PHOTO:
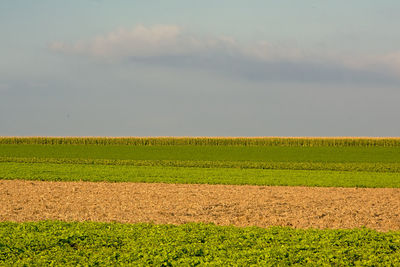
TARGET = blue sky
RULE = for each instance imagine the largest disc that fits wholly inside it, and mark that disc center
(231, 68)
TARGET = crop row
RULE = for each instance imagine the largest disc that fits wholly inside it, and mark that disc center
(207, 153)
(213, 141)
(178, 175)
(329, 166)
(71, 244)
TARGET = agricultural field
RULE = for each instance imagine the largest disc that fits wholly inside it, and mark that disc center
(43, 243)
(226, 201)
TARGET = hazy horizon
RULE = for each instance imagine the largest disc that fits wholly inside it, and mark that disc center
(174, 68)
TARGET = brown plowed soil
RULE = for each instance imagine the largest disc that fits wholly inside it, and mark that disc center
(300, 207)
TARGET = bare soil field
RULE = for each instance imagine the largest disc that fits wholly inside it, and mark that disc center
(263, 206)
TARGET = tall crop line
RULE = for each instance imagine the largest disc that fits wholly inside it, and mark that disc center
(210, 141)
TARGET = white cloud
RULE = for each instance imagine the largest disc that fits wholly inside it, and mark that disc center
(141, 41)
(170, 45)
(169, 40)
(386, 63)
(392, 60)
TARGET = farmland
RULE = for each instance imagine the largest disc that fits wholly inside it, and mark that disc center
(311, 183)
(319, 165)
(196, 175)
(71, 244)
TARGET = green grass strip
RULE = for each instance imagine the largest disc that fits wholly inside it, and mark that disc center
(104, 244)
(161, 174)
(331, 166)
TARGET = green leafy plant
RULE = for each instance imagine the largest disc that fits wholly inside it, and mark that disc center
(71, 244)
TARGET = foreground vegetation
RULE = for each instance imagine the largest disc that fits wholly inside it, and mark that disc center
(195, 175)
(61, 243)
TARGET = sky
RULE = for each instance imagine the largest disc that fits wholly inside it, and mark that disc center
(199, 68)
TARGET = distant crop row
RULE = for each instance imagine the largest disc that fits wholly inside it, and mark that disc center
(105, 244)
(208, 153)
(213, 141)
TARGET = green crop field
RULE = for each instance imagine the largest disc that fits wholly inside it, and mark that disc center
(195, 175)
(93, 244)
(348, 164)
(211, 153)
(326, 162)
